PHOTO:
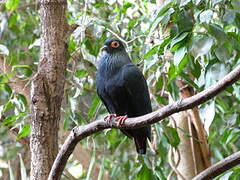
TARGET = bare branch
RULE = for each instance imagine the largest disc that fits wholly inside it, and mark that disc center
(81, 132)
(220, 167)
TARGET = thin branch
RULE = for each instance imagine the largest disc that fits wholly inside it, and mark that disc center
(81, 132)
(220, 167)
(118, 36)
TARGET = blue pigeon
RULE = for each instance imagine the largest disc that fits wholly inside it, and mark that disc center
(123, 90)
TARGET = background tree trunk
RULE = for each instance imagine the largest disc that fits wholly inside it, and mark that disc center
(47, 88)
(193, 149)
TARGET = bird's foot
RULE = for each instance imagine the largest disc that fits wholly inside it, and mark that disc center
(121, 120)
(109, 117)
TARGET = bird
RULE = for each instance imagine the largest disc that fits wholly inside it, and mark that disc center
(123, 90)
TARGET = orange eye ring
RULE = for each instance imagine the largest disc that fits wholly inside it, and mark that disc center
(115, 44)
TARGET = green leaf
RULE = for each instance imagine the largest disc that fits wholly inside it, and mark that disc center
(216, 2)
(91, 46)
(10, 120)
(217, 32)
(171, 135)
(126, 5)
(196, 2)
(189, 80)
(151, 52)
(6, 89)
(9, 105)
(184, 3)
(224, 135)
(132, 23)
(236, 5)
(24, 131)
(184, 22)
(145, 174)
(81, 73)
(206, 16)
(208, 114)
(12, 4)
(179, 54)
(183, 63)
(113, 140)
(178, 39)
(172, 72)
(164, 10)
(25, 70)
(20, 66)
(236, 173)
(222, 53)
(36, 43)
(200, 45)
(229, 17)
(195, 68)
(160, 99)
(4, 78)
(159, 173)
(94, 107)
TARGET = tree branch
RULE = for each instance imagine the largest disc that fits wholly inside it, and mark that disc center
(81, 132)
(219, 167)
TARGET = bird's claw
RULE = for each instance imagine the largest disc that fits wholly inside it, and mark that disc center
(109, 117)
(121, 120)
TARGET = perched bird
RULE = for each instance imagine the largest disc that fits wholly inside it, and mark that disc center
(123, 89)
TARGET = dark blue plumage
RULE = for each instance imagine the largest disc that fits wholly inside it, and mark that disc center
(123, 89)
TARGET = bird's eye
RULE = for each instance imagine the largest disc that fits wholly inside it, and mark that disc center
(115, 44)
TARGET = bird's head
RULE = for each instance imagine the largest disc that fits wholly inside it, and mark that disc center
(112, 46)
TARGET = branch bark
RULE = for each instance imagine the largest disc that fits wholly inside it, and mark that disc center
(81, 132)
(220, 167)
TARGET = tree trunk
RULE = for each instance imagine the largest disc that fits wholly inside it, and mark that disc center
(194, 151)
(48, 88)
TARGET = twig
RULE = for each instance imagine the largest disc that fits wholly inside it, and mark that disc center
(140, 36)
(174, 165)
(219, 167)
(115, 34)
(81, 132)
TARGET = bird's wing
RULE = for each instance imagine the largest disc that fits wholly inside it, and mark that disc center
(138, 96)
(137, 89)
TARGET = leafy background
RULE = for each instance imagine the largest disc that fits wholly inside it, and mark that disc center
(168, 41)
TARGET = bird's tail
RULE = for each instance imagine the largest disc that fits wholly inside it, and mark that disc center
(141, 144)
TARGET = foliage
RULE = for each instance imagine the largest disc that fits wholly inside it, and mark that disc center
(170, 41)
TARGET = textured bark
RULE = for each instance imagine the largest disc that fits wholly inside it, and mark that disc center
(47, 88)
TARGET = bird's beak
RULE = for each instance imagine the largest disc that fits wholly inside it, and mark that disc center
(104, 48)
